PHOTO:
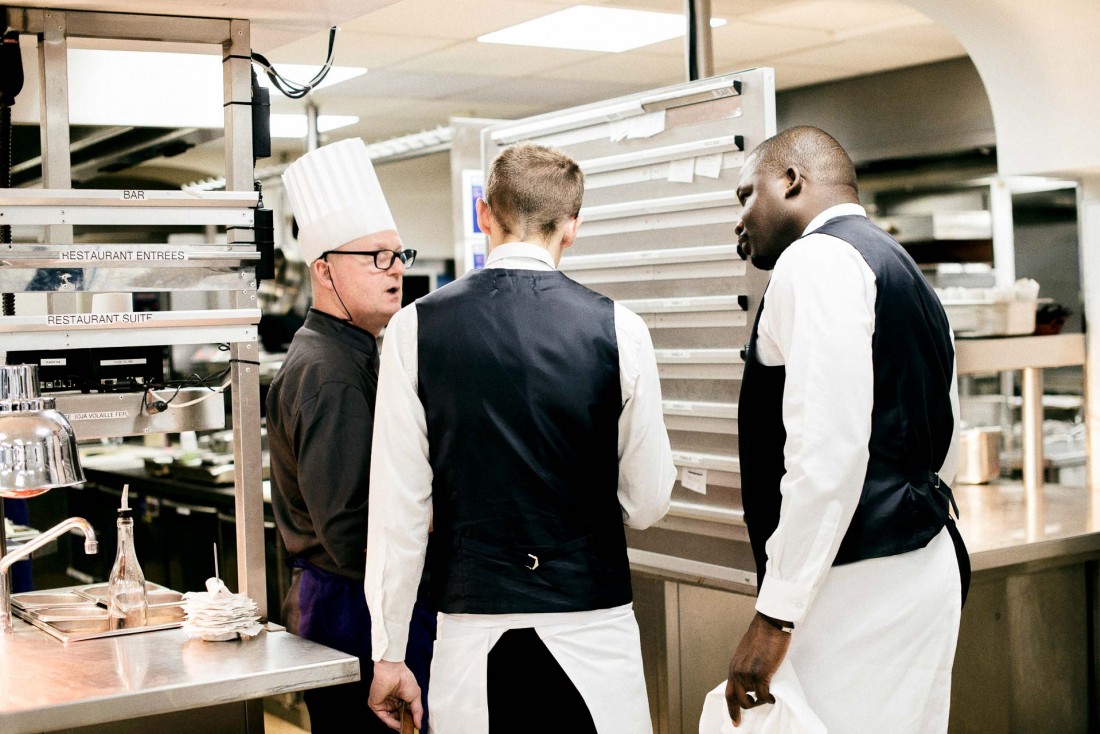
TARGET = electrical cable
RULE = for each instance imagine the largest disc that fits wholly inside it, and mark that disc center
(292, 89)
(162, 403)
(214, 391)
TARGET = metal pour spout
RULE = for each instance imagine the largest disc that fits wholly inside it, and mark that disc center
(25, 550)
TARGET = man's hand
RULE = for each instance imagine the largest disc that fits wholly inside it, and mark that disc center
(752, 666)
(394, 685)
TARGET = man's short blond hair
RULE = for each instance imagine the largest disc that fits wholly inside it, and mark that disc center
(533, 189)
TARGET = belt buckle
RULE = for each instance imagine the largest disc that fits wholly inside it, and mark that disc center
(534, 565)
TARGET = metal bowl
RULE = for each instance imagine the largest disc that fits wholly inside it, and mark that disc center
(979, 455)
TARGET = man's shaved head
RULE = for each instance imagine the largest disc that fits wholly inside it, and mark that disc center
(814, 151)
(788, 180)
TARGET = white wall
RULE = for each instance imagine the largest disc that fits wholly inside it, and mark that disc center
(418, 191)
(1040, 63)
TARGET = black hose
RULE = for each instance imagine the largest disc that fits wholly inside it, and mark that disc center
(11, 83)
(5, 182)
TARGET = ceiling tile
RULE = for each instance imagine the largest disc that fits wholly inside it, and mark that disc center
(492, 59)
(936, 40)
(553, 94)
(746, 40)
(833, 15)
(726, 9)
(274, 22)
(352, 48)
(329, 105)
(438, 113)
(447, 19)
(644, 68)
(311, 15)
(385, 83)
(741, 9)
(788, 74)
(866, 56)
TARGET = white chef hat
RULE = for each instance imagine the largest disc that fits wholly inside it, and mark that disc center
(335, 196)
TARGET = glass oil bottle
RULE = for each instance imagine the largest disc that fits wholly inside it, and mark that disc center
(127, 598)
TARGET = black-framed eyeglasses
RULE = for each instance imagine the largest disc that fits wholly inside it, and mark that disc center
(383, 259)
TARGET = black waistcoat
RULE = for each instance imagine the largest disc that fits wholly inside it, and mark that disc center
(903, 504)
(519, 377)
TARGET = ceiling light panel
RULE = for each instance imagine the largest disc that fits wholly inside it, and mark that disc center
(590, 28)
(295, 126)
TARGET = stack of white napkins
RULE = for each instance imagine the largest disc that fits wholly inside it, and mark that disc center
(217, 614)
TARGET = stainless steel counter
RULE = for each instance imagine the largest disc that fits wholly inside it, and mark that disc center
(1005, 524)
(1033, 554)
(45, 685)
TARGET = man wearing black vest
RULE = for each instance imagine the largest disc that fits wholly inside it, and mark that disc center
(519, 413)
(848, 415)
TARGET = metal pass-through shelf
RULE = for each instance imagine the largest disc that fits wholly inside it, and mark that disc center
(71, 246)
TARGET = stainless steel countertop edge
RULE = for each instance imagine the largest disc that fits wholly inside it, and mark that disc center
(266, 665)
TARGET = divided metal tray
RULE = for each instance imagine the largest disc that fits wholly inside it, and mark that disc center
(80, 612)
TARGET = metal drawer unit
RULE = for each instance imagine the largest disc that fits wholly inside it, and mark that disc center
(661, 170)
(49, 260)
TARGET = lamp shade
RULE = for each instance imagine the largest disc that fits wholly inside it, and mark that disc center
(37, 445)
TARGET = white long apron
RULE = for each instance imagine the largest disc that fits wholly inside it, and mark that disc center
(873, 655)
(600, 651)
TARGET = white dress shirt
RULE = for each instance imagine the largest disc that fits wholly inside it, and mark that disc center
(875, 640)
(818, 321)
(401, 475)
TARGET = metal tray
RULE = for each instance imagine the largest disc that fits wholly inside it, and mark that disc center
(155, 593)
(55, 598)
(71, 624)
(80, 613)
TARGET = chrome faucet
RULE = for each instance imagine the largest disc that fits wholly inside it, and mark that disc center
(25, 550)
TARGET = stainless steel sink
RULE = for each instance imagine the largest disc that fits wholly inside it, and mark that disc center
(80, 613)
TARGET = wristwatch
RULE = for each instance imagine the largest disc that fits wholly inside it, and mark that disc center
(780, 625)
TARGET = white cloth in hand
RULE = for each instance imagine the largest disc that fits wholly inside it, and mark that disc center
(790, 714)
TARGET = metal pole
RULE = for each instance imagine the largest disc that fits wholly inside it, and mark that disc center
(1004, 274)
(1032, 423)
(700, 59)
(1088, 218)
(245, 368)
(53, 62)
(312, 135)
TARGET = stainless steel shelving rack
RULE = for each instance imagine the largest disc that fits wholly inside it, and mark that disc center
(227, 268)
